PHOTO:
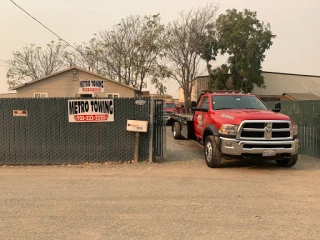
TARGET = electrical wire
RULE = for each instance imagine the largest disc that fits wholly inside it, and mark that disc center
(47, 28)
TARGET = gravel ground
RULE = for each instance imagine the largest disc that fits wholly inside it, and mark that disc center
(180, 198)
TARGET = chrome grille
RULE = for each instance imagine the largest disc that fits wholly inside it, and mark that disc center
(265, 130)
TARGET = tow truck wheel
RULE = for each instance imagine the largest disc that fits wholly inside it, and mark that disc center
(288, 162)
(212, 153)
(176, 130)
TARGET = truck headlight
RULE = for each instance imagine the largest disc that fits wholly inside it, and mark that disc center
(228, 129)
(294, 129)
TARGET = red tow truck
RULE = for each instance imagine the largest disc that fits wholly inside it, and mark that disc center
(231, 125)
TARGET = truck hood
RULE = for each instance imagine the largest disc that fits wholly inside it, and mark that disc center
(236, 116)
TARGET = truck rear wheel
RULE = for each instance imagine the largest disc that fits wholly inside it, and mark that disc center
(288, 162)
(211, 152)
(176, 130)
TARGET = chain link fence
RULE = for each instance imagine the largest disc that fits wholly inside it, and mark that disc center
(46, 136)
(306, 114)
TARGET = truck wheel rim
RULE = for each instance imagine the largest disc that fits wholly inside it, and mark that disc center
(174, 133)
(209, 151)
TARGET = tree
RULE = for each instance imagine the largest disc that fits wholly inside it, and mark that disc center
(132, 50)
(219, 78)
(245, 39)
(35, 62)
(87, 55)
(185, 43)
(161, 89)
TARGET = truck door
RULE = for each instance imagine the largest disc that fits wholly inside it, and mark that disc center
(201, 117)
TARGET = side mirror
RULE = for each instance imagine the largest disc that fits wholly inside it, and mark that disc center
(277, 107)
(193, 104)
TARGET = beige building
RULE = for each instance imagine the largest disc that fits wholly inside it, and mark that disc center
(276, 85)
(166, 97)
(8, 95)
(73, 82)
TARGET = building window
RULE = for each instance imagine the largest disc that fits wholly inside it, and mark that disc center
(41, 95)
(113, 95)
(84, 95)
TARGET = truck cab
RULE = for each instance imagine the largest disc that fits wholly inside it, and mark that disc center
(237, 125)
(170, 110)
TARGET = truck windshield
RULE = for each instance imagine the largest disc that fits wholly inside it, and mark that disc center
(170, 105)
(237, 102)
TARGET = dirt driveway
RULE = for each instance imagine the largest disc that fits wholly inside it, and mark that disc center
(180, 198)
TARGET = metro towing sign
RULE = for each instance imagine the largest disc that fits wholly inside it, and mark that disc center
(100, 110)
(91, 85)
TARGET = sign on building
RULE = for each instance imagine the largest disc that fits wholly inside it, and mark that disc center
(99, 110)
(91, 85)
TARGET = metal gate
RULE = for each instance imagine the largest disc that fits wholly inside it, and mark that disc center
(159, 134)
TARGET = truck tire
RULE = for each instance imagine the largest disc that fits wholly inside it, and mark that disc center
(211, 152)
(177, 130)
(288, 162)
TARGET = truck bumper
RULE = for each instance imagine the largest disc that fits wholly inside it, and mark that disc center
(230, 146)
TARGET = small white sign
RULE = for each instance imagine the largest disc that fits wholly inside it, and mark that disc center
(137, 126)
(99, 110)
(20, 113)
(91, 85)
(140, 102)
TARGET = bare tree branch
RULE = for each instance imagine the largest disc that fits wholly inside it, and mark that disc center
(34, 62)
(184, 44)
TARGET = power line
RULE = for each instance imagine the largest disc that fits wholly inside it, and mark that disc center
(3, 62)
(47, 28)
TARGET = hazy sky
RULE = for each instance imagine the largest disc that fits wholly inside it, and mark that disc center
(296, 24)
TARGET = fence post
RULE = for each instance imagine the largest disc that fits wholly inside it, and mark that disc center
(136, 148)
(164, 130)
(151, 129)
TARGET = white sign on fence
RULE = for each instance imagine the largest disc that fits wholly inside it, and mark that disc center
(137, 126)
(94, 110)
(20, 113)
(91, 85)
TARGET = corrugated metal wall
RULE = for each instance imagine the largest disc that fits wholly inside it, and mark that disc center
(202, 84)
(277, 84)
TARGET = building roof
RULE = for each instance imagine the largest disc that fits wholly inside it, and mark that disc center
(292, 74)
(68, 69)
(155, 95)
(302, 96)
(282, 73)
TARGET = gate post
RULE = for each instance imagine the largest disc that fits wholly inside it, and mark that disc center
(151, 129)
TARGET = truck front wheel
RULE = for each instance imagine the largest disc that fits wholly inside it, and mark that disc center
(176, 130)
(212, 153)
(288, 162)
